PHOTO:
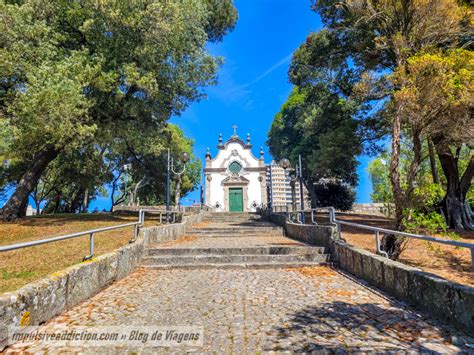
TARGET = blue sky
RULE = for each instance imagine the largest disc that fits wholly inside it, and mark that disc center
(253, 81)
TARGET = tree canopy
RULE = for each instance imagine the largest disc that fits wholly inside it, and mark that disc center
(81, 74)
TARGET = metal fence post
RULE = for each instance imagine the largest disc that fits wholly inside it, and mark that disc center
(135, 234)
(91, 247)
(377, 242)
(332, 215)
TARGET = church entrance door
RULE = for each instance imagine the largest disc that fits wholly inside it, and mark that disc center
(236, 201)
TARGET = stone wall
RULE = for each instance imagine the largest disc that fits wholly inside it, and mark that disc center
(41, 300)
(446, 300)
(277, 218)
(190, 209)
(443, 299)
(320, 235)
(380, 209)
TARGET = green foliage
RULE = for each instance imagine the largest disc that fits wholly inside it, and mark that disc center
(146, 163)
(412, 80)
(379, 177)
(97, 81)
(318, 125)
(428, 223)
(435, 89)
(334, 194)
(110, 62)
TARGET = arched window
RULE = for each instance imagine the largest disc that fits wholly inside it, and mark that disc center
(235, 167)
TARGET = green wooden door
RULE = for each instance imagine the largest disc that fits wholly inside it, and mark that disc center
(236, 202)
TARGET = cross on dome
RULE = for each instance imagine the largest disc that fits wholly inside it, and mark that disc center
(234, 126)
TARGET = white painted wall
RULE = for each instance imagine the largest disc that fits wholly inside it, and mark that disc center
(222, 160)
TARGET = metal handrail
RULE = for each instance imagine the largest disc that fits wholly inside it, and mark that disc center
(91, 233)
(377, 230)
(162, 213)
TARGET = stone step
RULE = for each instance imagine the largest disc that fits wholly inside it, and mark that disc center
(239, 225)
(230, 219)
(232, 214)
(270, 250)
(232, 259)
(214, 220)
(236, 229)
(236, 235)
(253, 265)
(266, 237)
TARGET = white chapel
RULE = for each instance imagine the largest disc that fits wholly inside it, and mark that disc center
(235, 178)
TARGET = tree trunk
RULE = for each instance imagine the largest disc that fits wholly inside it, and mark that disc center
(434, 169)
(85, 201)
(392, 244)
(112, 194)
(135, 192)
(414, 167)
(456, 189)
(37, 200)
(398, 196)
(16, 205)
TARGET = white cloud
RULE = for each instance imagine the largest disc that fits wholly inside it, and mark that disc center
(240, 90)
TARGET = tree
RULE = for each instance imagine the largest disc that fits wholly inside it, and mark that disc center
(318, 125)
(73, 179)
(423, 213)
(436, 91)
(335, 194)
(379, 37)
(371, 40)
(145, 156)
(380, 179)
(73, 72)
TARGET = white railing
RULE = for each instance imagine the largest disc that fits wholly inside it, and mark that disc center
(296, 217)
(172, 218)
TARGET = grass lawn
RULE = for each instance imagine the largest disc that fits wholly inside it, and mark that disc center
(19, 267)
(446, 261)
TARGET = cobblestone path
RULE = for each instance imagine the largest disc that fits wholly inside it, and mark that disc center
(302, 309)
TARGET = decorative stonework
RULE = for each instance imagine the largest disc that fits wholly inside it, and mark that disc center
(235, 166)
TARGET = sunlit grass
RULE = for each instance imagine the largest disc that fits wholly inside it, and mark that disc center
(19, 267)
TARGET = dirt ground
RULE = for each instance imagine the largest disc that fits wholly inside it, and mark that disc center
(22, 266)
(446, 261)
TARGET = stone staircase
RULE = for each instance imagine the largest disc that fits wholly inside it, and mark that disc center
(231, 240)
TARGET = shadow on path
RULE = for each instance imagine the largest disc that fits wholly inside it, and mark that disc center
(340, 327)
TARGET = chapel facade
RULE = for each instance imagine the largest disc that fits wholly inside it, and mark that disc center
(235, 178)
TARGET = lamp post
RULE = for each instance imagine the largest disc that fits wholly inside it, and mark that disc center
(183, 157)
(294, 175)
